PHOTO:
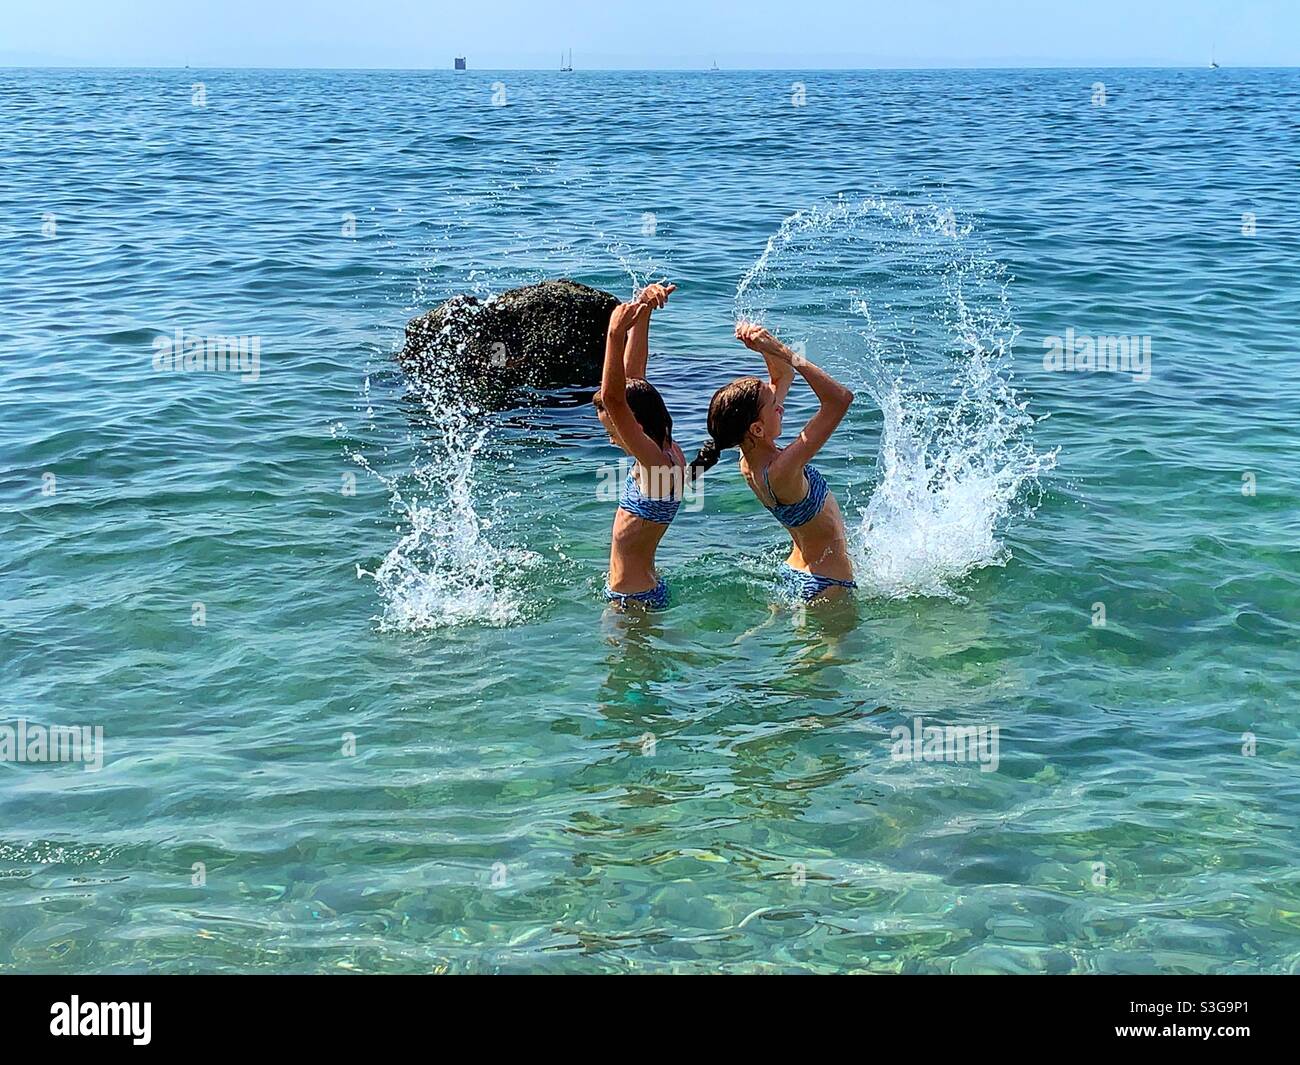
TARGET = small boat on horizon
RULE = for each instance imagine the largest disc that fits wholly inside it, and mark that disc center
(566, 68)
(460, 62)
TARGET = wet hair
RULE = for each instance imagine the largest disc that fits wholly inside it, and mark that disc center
(733, 409)
(648, 408)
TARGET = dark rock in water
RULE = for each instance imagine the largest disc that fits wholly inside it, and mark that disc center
(548, 335)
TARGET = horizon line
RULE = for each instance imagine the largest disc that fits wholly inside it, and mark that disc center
(647, 70)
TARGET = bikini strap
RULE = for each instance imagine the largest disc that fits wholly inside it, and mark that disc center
(767, 483)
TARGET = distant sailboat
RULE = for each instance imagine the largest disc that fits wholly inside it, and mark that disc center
(713, 69)
(566, 68)
(1213, 64)
(460, 62)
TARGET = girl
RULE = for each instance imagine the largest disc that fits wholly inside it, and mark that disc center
(634, 415)
(747, 414)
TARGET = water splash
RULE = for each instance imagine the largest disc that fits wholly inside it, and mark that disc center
(925, 328)
(446, 569)
(453, 564)
(637, 262)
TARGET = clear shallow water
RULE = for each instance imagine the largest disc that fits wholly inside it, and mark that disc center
(503, 809)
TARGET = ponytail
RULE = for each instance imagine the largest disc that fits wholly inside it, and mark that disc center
(705, 459)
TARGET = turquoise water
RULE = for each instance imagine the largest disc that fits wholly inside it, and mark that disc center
(406, 736)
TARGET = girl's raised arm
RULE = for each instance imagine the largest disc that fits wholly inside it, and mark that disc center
(637, 352)
(779, 370)
(834, 398)
(613, 385)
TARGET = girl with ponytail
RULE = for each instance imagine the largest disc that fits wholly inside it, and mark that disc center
(747, 414)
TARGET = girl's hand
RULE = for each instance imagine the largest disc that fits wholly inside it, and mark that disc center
(756, 338)
(625, 316)
(656, 295)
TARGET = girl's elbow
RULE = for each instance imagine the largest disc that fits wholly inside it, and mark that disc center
(846, 398)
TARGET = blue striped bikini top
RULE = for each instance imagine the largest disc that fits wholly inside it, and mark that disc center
(792, 515)
(634, 501)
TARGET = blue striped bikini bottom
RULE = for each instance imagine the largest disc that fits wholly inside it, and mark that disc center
(799, 584)
(656, 598)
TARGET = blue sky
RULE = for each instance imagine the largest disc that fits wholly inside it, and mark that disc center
(608, 34)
